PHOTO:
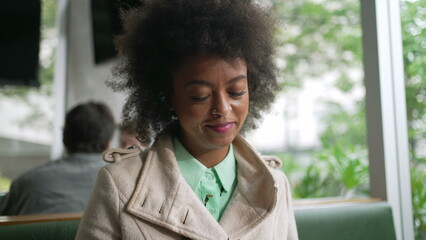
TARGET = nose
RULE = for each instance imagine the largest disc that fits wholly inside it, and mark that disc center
(221, 105)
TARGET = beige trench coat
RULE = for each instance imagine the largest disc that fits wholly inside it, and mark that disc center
(146, 197)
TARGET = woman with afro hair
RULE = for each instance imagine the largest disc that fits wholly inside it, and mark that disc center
(196, 75)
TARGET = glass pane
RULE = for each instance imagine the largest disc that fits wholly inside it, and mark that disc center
(317, 127)
(27, 112)
(413, 20)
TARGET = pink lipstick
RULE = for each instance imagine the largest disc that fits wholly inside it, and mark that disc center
(221, 128)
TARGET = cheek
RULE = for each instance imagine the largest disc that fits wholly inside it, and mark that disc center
(190, 110)
(191, 115)
(242, 107)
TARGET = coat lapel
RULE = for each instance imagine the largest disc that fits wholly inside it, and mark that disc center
(163, 198)
(255, 196)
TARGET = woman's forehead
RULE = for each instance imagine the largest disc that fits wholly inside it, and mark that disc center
(202, 69)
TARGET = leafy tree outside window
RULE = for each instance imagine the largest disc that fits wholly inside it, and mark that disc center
(322, 38)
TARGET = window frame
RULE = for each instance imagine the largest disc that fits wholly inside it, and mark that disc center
(386, 117)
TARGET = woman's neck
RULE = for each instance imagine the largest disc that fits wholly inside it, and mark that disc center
(209, 157)
(213, 157)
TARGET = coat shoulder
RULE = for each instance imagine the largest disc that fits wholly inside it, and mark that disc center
(126, 171)
(118, 154)
(274, 164)
(272, 161)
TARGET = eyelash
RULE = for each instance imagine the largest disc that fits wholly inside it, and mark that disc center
(200, 99)
(233, 94)
(237, 94)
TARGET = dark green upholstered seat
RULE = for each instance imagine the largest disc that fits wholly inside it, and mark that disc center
(61, 230)
(366, 221)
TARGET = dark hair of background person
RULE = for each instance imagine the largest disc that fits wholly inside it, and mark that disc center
(160, 35)
(88, 128)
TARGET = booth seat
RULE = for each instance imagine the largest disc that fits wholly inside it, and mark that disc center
(58, 230)
(345, 221)
(362, 221)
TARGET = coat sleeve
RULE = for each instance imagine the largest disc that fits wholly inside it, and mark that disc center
(292, 229)
(101, 217)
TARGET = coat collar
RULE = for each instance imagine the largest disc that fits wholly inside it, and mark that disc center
(163, 197)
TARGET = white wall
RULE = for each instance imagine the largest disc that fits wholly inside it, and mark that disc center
(85, 80)
(77, 78)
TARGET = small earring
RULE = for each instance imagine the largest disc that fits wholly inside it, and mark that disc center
(173, 115)
(215, 114)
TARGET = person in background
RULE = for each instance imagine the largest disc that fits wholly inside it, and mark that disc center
(65, 185)
(197, 74)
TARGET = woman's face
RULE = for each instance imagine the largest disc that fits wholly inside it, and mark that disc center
(202, 86)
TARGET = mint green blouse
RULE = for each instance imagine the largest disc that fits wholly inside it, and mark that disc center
(213, 186)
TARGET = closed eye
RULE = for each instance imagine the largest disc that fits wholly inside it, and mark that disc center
(200, 99)
(237, 94)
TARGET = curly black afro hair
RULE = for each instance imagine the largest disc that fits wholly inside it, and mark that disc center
(159, 34)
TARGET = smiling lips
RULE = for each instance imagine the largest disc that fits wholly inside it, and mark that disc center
(221, 128)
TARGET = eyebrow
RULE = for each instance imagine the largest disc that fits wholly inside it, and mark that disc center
(209, 84)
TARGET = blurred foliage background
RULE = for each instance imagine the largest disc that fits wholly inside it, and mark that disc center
(326, 36)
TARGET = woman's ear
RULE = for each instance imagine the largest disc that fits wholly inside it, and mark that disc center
(170, 99)
(171, 107)
(170, 103)
(167, 97)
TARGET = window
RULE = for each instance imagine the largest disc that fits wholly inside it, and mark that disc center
(27, 112)
(317, 127)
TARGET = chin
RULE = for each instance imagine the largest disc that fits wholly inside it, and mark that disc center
(223, 141)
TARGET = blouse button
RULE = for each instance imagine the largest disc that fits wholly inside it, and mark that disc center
(209, 176)
(212, 210)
